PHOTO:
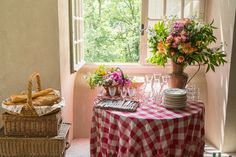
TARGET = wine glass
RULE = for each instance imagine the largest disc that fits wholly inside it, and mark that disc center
(123, 92)
(148, 89)
(156, 85)
(131, 91)
(101, 91)
(164, 85)
(112, 91)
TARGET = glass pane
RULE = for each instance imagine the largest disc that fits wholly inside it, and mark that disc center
(75, 53)
(75, 5)
(81, 51)
(75, 30)
(150, 25)
(155, 9)
(173, 8)
(192, 8)
(80, 35)
(112, 30)
(80, 10)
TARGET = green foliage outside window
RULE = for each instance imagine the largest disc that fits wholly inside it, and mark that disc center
(111, 30)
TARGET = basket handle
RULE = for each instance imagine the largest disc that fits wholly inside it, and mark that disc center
(29, 96)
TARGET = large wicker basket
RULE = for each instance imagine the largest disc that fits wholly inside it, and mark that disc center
(35, 147)
(28, 108)
(43, 126)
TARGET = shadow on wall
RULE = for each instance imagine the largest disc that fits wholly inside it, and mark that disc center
(84, 96)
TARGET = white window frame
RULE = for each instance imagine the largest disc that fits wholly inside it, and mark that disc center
(76, 14)
(76, 23)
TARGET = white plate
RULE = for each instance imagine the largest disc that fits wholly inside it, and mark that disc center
(175, 92)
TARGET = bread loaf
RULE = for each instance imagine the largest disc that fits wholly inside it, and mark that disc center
(23, 97)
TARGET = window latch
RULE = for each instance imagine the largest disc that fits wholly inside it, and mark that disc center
(142, 29)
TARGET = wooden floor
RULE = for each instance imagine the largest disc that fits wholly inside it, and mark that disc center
(80, 148)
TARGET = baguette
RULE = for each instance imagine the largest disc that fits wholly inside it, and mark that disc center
(23, 97)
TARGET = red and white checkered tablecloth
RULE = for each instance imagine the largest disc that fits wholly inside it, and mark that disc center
(151, 131)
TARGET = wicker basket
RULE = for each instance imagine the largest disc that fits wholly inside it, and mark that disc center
(35, 147)
(28, 108)
(43, 126)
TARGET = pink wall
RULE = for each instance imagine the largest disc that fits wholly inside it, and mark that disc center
(67, 79)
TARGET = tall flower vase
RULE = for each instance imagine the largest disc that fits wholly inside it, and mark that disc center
(178, 79)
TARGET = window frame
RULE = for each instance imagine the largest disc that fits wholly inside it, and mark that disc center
(76, 64)
(76, 35)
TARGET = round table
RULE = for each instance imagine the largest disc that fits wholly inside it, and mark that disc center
(152, 130)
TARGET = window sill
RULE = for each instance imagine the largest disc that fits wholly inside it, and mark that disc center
(78, 67)
(136, 68)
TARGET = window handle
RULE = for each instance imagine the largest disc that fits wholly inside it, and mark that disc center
(142, 29)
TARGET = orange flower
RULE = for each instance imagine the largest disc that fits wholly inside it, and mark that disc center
(187, 48)
(160, 47)
(180, 59)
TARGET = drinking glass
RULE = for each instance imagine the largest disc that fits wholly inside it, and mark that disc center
(131, 91)
(123, 92)
(112, 91)
(101, 91)
(193, 92)
(156, 86)
(164, 85)
(148, 89)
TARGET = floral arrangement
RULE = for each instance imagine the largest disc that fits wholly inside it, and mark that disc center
(107, 76)
(185, 42)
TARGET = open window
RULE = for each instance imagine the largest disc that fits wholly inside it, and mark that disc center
(104, 31)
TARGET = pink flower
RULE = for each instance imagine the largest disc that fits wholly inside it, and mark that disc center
(169, 38)
(174, 45)
(177, 39)
(184, 36)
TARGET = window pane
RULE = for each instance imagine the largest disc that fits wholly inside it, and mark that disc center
(111, 30)
(75, 7)
(75, 53)
(173, 8)
(150, 25)
(78, 30)
(192, 8)
(155, 9)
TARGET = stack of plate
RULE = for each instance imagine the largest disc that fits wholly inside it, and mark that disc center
(174, 98)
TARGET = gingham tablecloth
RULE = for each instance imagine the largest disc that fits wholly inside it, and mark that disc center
(151, 131)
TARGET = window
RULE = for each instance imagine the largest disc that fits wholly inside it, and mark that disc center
(76, 33)
(155, 10)
(114, 30)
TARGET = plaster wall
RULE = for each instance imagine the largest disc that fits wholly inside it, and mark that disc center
(29, 42)
(67, 79)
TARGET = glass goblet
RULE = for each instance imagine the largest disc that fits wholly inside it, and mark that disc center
(112, 91)
(101, 91)
(131, 91)
(123, 92)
